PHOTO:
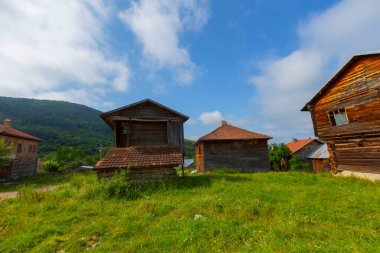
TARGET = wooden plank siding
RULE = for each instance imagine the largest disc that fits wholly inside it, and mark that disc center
(245, 156)
(355, 146)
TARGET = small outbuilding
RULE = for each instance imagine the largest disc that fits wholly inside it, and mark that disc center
(149, 141)
(232, 147)
(303, 148)
(346, 114)
(24, 160)
(320, 159)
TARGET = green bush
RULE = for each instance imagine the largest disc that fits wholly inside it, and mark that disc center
(50, 166)
(5, 151)
(296, 164)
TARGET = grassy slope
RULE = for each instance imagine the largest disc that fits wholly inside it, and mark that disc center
(281, 212)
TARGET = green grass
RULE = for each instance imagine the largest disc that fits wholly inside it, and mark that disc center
(35, 181)
(264, 212)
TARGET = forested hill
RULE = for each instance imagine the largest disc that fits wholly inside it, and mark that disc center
(57, 123)
(61, 124)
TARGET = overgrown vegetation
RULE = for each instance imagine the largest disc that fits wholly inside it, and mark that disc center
(264, 212)
(279, 153)
(5, 151)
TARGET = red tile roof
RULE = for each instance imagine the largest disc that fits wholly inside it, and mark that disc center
(9, 131)
(294, 146)
(141, 157)
(228, 132)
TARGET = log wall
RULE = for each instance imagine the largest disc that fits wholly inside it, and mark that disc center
(355, 146)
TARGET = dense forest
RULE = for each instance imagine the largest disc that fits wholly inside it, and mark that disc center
(62, 124)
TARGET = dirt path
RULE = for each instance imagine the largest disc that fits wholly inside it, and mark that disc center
(13, 194)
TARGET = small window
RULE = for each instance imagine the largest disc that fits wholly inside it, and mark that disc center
(338, 117)
(19, 148)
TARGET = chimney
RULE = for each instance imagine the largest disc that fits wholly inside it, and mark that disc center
(224, 123)
(8, 123)
(294, 140)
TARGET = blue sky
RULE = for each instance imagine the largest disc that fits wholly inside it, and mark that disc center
(254, 63)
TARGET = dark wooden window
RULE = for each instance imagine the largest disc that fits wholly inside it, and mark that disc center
(19, 148)
(338, 117)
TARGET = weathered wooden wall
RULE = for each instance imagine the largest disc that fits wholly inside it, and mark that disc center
(245, 156)
(320, 165)
(356, 146)
(25, 162)
(199, 157)
(303, 152)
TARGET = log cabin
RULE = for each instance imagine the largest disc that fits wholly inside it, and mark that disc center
(303, 148)
(24, 160)
(232, 147)
(149, 141)
(346, 114)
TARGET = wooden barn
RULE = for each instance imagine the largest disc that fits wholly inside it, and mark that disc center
(24, 160)
(149, 141)
(346, 114)
(232, 147)
(303, 148)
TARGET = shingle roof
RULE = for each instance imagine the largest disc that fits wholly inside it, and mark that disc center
(228, 132)
(16, 133)
(141, 157)
(294, 146)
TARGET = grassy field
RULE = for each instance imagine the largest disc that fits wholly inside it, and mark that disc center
(264, 212)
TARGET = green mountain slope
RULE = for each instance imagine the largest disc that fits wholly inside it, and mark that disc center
(57, 123)
(61, 124)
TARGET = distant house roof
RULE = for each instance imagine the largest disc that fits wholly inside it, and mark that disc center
(296, 145)
(228, 132)
(327, 86)
(320, 153)
(141, 157)
(9, 131)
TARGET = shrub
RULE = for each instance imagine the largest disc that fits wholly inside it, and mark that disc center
(50, 166)
(296, 164)
(5, 151)
(278, 152)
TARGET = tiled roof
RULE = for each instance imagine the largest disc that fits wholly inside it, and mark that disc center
(16, 133)
(298, 144)
(228, 132)
(141, 157)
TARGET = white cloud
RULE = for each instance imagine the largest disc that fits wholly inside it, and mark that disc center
(158, 25)
(191, 121)
(327, 40)
(45, 45)
(211, 118)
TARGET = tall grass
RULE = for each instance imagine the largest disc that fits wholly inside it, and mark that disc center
(213, 212)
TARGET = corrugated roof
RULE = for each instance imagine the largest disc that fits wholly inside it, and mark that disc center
(228, 132)
(141, 157)
(9, 131)
(294, 146)
(321, 153)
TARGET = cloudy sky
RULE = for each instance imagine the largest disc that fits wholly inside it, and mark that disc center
(254, 63)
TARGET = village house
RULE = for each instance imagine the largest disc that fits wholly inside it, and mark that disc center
(24, 160)
(346, 114)
(232, 147)
(303, 148)
(149, 141)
